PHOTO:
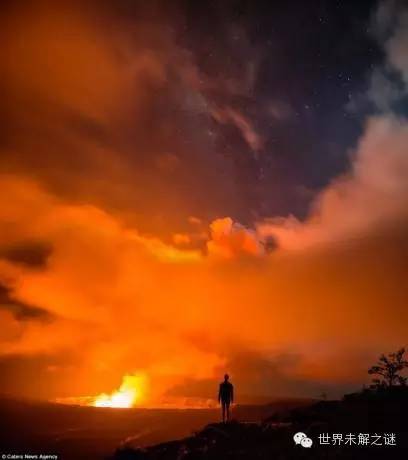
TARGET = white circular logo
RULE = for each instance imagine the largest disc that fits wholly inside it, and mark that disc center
(298, 437)
(302, 439)
(306, 442)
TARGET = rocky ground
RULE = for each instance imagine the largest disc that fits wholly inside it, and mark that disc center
(379, 417)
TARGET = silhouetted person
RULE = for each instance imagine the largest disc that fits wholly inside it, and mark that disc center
(226, 397)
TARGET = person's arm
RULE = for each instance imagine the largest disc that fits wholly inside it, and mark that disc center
(232, 393)
(219, 394)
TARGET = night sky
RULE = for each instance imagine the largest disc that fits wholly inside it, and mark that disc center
(290, 70)
(169, 167)
(256, 113)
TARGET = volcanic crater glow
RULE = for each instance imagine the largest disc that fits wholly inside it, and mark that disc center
(129, 394)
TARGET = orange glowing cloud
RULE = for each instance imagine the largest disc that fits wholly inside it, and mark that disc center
(123, 303)
(229, 239)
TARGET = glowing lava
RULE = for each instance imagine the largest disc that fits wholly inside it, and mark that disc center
(129, 394)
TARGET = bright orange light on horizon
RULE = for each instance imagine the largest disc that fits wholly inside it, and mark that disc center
(118, 399)
(130, 393)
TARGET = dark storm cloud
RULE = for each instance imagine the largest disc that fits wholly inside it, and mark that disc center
(33, 254)
(20, 310)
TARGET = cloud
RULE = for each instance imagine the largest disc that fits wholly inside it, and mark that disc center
(234, 117)
(110, 110)
(383, 92)
(31, 253)
(117, 296)
(231, 239)
(373, 192)
(20, 310)
(280, 110)
(388, 81)
(397, 45)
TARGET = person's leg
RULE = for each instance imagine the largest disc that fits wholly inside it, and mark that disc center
(223, 411)
(228, 410)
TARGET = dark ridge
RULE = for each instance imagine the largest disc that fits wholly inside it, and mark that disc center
(380, 412)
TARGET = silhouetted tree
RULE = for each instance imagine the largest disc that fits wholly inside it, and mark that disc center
(389, 369)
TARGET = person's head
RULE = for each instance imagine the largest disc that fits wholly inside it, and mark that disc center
(226, 377)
